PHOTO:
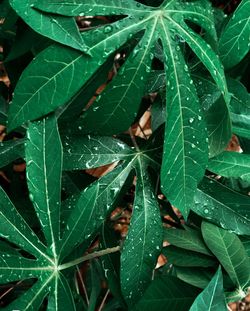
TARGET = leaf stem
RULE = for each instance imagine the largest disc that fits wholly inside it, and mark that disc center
(132, 136)
(88, 257)
(83, 285)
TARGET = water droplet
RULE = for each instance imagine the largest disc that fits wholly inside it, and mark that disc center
(206, 211)
(31, 197)
(191, 120)
(108, 29)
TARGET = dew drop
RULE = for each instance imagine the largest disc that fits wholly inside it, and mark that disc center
(108, 29)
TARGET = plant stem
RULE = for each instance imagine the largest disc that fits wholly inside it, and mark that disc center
(83, 285)
(88, 257)
(103, 301)
(132, 136)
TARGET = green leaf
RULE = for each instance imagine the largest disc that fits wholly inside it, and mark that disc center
(239, 108)
(185, 148)
(92, 206)
(158, 113)
(231, 164)
(227, 247)
(184, 258)
(44, 165)
(187, 239)
(56, 27)
(218, 127)
(48, 71)
(144, 240)
(14, 268)
(246, 242)
(16, 230)
(122, 108)
(91, 7)
(61, 297)
(79, 102)
(216, 113)
(196, 276)
(102, 42)
(223, 206)
(212, 298)
(11, 151)
(234, 41)
(167, 293)
(33, 298)
(83, 211)
(84, 152)
(111, 263)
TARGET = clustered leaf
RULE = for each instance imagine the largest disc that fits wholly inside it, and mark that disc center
(82, 87)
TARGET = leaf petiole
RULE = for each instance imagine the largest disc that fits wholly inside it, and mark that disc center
(89, 257)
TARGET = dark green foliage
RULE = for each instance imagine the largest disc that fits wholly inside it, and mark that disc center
(78, 95)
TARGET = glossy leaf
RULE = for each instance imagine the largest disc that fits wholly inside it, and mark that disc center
(11, 151)
(167, 293)
(196, 276)
(231, 164)
(14, 268)
(184, 258)
(219, 127)
(106, 39)
(122, 108)
(143, 242)
(227, 247)
(234, 41)
(216, 113)
(223, 206)
(185, 149)
(81, 152)
(16, 230)
(58, 28)
(239, 108)
(92, 207)
(44, 165)
(187, 239)
(48, 71)
(212, 298)
(111, 263)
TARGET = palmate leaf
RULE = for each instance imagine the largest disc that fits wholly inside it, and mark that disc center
(135, 274)
(87, 212)
(228, 248)
(59, 28)
(43, 149)
(185, 147)
(234, 41)
(212, 298)
(223, 206)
